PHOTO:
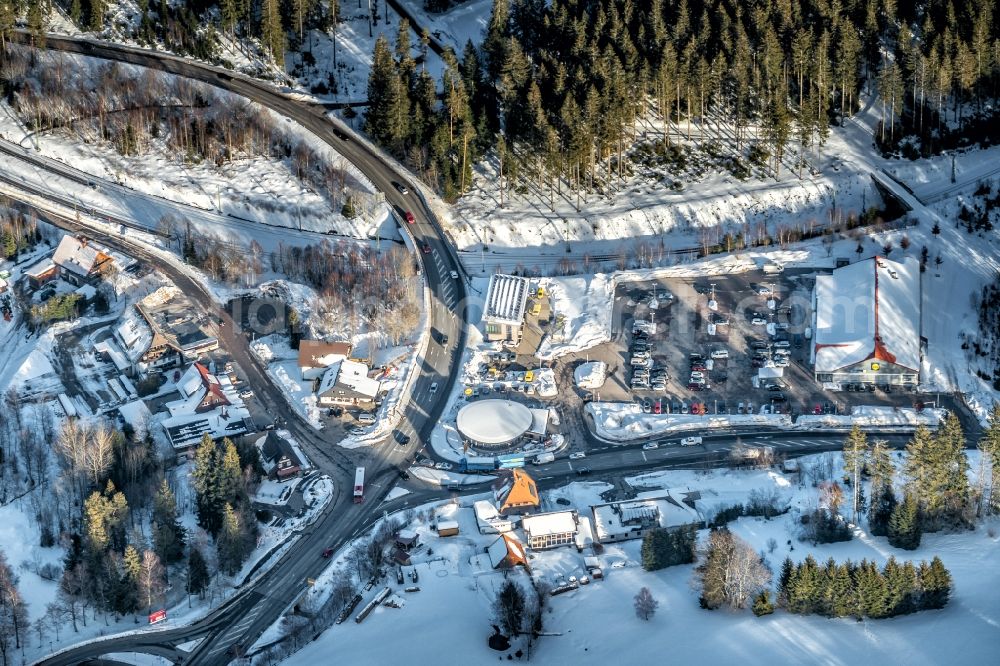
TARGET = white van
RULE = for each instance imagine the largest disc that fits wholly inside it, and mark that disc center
(366, 417)
(691, 441)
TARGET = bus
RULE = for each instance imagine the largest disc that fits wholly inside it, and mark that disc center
(359, 485)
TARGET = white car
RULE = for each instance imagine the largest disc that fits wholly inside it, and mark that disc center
(434, 387)
(763, 290)
(691, 441)
(246, 394)
(443, 466)
(720, 353)
(357, 431)
(697, 375)
(650, 446)
(577, 456)
(757, 321)
(618, 564)
(782, 344)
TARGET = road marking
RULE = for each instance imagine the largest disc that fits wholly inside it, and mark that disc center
(644, 458)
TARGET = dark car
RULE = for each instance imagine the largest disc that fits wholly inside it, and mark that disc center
(695, 387)
(444, 338)
(327, 552)
(402, 189)
(582, 471)
(562, 501)
(778, 397)
(425, 248)
(402, 438)
(403, 475)
(340, 134)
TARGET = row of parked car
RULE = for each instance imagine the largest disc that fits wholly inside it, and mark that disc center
(644, 375)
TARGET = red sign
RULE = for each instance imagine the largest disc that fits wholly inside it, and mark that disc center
(158, 616)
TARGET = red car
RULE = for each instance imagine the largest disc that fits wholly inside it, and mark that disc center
(426, 248)
(657, 409)
(409, 218)
(817, 409)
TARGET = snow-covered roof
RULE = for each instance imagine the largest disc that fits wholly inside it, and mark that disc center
(485, 510)
(134, 334)
(80, 256)
(190, 382)
(546, 524)
(631, 517)
(506, 548)
(506, 298)
(111, 348)
(869, 310)
(40, 268)
(770, 372)
(351, 375)
(494, 421)
(591, 375)
(136, 415)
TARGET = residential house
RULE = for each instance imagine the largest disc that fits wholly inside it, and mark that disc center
(280, 458)
(507, 552)
(209, 404)
(41, 272)
(517, 494)
(81, 261)
(347, 383)
(550, 530)
(632, 519)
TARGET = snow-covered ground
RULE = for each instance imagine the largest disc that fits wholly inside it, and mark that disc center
(596, 624)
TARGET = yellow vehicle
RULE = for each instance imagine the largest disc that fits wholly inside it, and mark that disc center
(536, 308)
(540, 293)
(529, 376)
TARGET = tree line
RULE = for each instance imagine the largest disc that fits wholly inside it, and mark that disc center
(862, 589)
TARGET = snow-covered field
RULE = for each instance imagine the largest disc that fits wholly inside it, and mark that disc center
(596, 624)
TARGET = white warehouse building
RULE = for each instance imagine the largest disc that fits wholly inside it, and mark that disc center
(867, 324)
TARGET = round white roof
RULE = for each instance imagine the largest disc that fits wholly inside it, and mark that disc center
(493, 421)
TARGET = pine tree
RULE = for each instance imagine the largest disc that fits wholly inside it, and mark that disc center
(197, 578)
(762, 604)
(904, 524)
(784, 579)
(871, 591)
(272, 34)
(935, 585)
(804, 589)
(842, 591)
(899, 588)
(168, 533)
(385, 119)
(880, 468)
(230, 542)
(882, 506)
(497, 31)
(855, 458)
(96, 13)
(989, 449)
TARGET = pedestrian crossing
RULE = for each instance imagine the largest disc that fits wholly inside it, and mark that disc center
(232, 634)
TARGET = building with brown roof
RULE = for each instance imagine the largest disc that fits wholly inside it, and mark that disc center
(518, 495)
(315, 356)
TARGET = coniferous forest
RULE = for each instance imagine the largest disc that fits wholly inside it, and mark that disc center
(556, 91)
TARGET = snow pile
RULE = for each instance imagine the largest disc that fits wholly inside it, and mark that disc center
(581, 313)
(624, 421)
(443, 478)
(873, 416)
(591, 375)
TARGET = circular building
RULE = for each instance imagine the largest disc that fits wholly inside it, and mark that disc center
(494, 425)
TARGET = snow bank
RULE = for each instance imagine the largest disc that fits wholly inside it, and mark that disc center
(591, 375)
(583, 305)
(624, 421)
(872, 416)
(443, 478)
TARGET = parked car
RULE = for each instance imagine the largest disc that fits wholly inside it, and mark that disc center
(246, 395)
(650, 446)
(647, 408)
(453, 274)
(445, 466)
(741, 409)
(696, 375)
(782, 344)
(757, 344)
(778, 397)
(762, 289)
(684, 408)
(691, 441)
(698, 367)
(357, 431)
(757, 321)
(402, 438)
(562, 501)
(697, 386)
(719, 353)
(695, 356)
(577, 455)
(774, 387)
(366, 417)
(657, 407)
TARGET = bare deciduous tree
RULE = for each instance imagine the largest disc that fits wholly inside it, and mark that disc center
(645, 604)
(729, 572)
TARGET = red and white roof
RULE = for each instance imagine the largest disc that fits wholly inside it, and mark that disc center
(869, 310)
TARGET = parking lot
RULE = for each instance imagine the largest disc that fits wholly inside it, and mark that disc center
(699, 344)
